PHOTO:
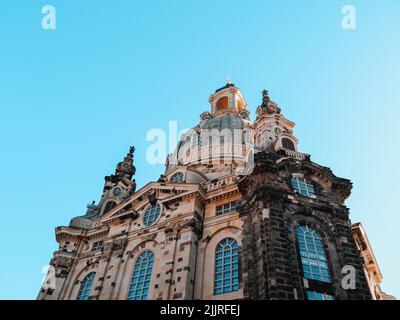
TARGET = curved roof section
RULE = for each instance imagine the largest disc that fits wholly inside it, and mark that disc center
(226, 121)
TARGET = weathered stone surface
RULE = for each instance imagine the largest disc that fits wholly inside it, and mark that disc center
(248, 200)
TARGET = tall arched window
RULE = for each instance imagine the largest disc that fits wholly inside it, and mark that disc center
(151, 215)
(141, 277)
(177, 178)
(226, 266)
(86, 285)
(312, 253)
(288, 144)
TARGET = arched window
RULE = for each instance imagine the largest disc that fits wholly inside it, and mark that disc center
(109, 205)
(86, 285)
(141, 277)
(177, 178)
(223, 103)
(226, 266)
(312, 253)
(302, 187)
(288, 144)
(151, 215)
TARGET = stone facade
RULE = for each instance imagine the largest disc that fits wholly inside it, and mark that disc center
(271, 212)
(236, 187)
(371, 269)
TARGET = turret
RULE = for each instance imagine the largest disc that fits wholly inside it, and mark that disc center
(227, 99)
(272, 130)
(117, 187)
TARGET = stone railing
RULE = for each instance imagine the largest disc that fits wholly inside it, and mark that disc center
(219, 183)
(295, 154)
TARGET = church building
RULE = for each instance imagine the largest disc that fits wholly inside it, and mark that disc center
(239, 213)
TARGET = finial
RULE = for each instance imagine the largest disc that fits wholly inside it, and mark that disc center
(228, 80)
(126, 167)
(265, 95)
(268, 105)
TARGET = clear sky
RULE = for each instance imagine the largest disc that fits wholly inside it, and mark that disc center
(72, 101)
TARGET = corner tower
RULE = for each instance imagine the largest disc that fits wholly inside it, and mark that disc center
(297, 236)
(272, 130)
(117, 187)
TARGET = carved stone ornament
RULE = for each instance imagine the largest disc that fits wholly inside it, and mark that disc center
(174, 228)
(118, 246)
(205, 116)
(152, 198)
(244, 114)
(62, 262)
(267, 106)
(194, 225)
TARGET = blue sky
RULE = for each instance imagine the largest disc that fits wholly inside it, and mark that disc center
(72, 101)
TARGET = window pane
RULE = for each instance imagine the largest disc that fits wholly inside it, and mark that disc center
(302, 187)
(313, 256)
(151, 215)
(177, 178)
(313, 295)
(226, 208)
(226, 268)
(86, 285)
(144, 267)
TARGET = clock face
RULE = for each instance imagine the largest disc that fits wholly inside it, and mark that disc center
(117, 191)
(125, 165)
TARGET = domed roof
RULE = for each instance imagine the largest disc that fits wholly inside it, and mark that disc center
(218, 124)
(221, 134)
(212, 131)
(226, 121)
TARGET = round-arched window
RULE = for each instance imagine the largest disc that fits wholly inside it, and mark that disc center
(288, 144)
(140, 282)
(151, 215)
(226, 278)
(223, 103)
(86, 285)
(177, 178)
(312, 254)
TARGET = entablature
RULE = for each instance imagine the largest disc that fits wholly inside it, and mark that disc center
(69, 233)
(121, 216)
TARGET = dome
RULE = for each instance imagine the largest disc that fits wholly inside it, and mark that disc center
(220, 141)
(226, 121)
